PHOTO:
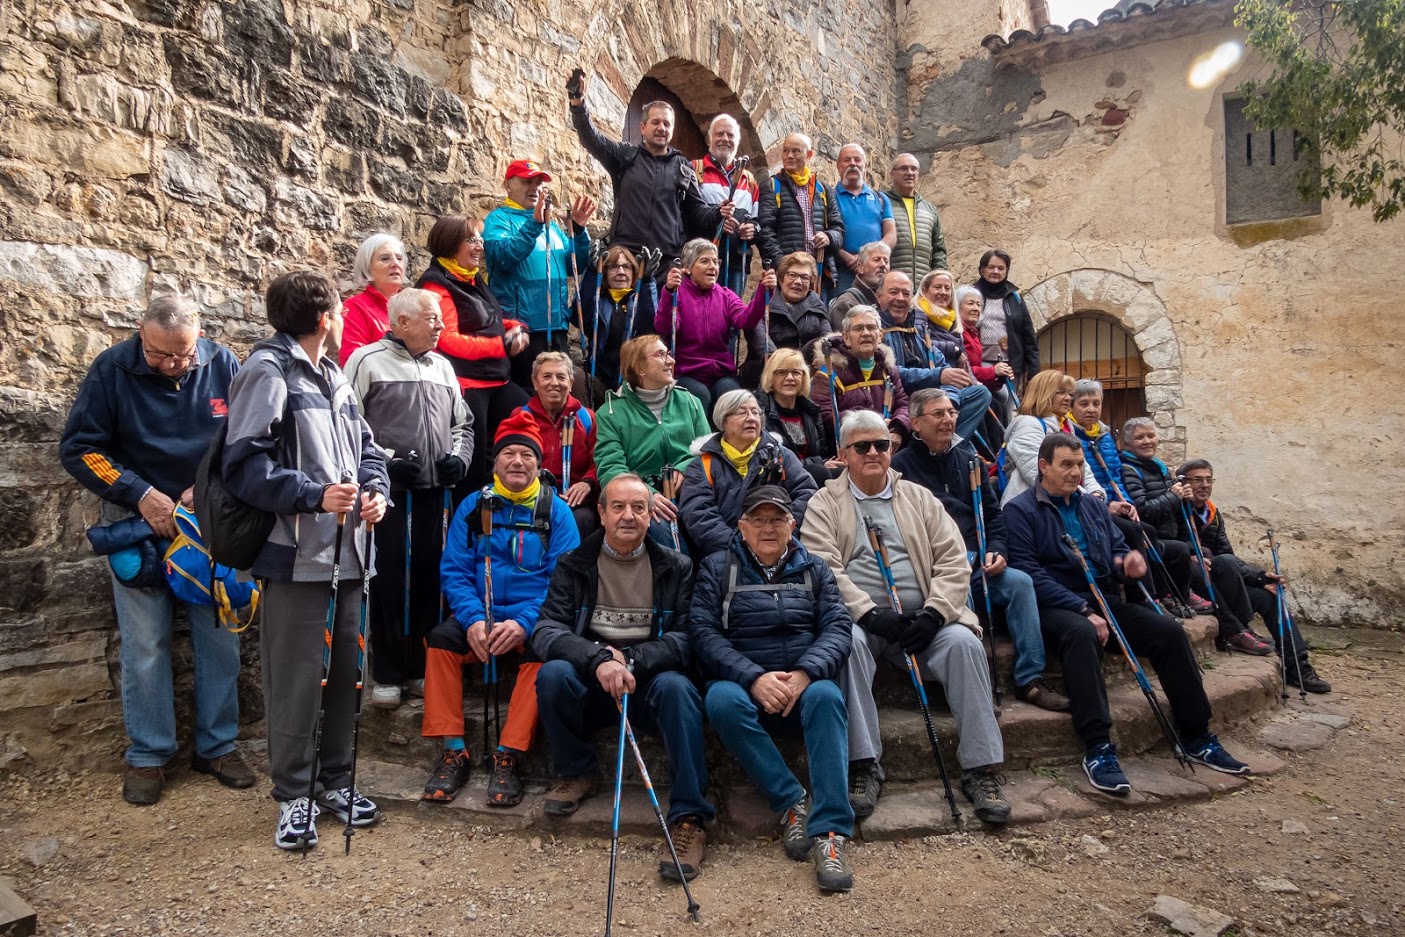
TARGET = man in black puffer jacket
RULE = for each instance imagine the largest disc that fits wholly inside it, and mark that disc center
(799, 213)
(771, 635)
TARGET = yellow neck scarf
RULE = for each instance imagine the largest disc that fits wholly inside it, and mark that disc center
(800, 178)
(1093, 433)
(458, 269)
(527, 495)
(619, 295)
(511, 204)
(942, 318)
(739, 458)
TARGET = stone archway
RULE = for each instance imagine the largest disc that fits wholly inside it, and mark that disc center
(1142, 313)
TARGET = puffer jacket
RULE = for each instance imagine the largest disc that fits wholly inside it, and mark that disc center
(1214, 539)
(293, 430)
(857, 295)
(582, 446)
(819, 445)
(802, 625)
(515, 249)
(635, 313)
(1022, 347)
(705, 320)
(1148, 483)
(782, 230)
(366, 319)
(629, 438)
(927, 251)
(832, 356)
(474, 327)
(711, 501)
(1102, 441)
(947, 475)
(793, 325)
(563, 629)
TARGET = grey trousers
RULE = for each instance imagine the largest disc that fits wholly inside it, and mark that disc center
(291, 641)
(956, 659)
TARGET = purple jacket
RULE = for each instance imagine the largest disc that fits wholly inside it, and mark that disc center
(832, 356)
(703, 350)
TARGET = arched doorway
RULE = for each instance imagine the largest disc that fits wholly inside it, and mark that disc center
(697, 95)
(688, 135)
(1091, 345)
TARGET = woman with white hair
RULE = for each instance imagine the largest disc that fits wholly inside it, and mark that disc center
(730, 463)
(379, 272)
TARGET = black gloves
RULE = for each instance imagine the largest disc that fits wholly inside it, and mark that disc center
(449, 470)
(921, 630)
(651, 258)
(574, 85)
(884, 623)
(404, 473)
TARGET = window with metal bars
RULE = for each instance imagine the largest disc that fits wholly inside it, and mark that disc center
(1261, 170)
(1092, 345)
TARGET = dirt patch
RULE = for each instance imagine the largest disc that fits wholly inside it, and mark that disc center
(1313, 850)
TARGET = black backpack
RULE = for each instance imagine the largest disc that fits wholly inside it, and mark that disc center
(234, 532)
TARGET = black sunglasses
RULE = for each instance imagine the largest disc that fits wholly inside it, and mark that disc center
(863, 446)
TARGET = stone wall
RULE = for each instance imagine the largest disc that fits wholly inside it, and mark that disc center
(208, 146)
(1272, 345)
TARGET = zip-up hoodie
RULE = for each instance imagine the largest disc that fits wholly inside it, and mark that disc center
(706, 319)
(515, 247)
(582, 447)
(294, 429)
(132, 428)
(629, 438)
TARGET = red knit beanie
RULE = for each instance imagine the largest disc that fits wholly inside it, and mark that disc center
(519, 429)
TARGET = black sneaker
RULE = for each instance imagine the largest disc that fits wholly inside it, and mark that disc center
(1105, 771)
(832, 870)
(1310, 680)
(448, 776)
(864, 787)
(793, 838)
(982, 789)
(504, 787)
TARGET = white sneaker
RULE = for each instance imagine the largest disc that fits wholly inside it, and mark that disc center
(295, 824)
(364, 811)
(416, 688)
(385, 697)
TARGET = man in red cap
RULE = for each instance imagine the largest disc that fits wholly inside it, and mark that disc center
(528, 257)
(502, 548)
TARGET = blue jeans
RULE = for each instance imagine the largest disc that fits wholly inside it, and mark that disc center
(144, 618)
(822, 718)
(668, 703)
(1013, 590)
(971, 402)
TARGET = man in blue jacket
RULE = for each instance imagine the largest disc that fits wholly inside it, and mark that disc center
(1036, 522)
(528, 257)
(771, 636)
(137, 431)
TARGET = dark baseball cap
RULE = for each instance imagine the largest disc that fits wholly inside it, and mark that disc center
(766, 494)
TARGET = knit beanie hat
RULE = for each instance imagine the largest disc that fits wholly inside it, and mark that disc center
(519, 429)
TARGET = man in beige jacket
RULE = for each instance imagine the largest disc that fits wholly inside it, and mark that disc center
(927, 558)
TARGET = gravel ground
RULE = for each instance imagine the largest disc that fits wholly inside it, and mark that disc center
(1313, 850)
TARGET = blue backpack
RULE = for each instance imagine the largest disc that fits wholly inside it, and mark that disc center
(195, 578)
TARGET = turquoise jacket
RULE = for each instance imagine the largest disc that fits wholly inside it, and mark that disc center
(515, 253)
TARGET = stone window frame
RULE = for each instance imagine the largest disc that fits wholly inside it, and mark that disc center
(1136, 307)
(1233, 144)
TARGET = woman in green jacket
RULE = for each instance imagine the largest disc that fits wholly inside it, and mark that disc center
(646, 427)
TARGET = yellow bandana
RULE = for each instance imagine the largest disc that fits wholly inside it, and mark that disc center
(1093, 433)
(511, 204)
(619, 295)
(800, 178)
(458, 269)
(526, 496)
(740, 459)
(942, 318)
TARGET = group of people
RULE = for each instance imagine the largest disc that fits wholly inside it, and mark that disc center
(735, 546)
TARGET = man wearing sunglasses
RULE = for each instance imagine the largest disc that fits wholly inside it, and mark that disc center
(927, 562)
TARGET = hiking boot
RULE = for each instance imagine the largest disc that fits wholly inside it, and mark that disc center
(1200, 606)
(1208, 751)
(982, 789)
(690, 842)
(793, 838)
(296, 826)
(415, 688)
(504, 787)
(229, 769)
(448, 776)
(1105, 771)
(1246, 642)
(864, 787)
(1037, 694)
(1309, 680)
(385, 697)
(566, 795)
(142, 786)
(343, 801)
(832, 870)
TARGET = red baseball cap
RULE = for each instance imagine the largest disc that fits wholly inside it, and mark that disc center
(526, 169)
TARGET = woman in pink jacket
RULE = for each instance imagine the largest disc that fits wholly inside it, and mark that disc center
(696, 318)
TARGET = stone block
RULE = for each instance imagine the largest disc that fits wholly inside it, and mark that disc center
(81, 148)
(595, 814)
(18, 508)
(746, 814)
(296, 205)
(345, 170)
(1163, 780)
(393, 183)
(132, 108)
(54, 687)
(324, 62)
(286, 97)
(91, 647)
(301, 160)
(449, 112)
(160, 12)
(190, 176)
(255, 146)
(91, 717)
(258, 31)
(378, 81)
(208, 73)
(1186, 918)
(242, 191)
(351, 123)
(1295, 736)
(910, 812)
(23, 583)
(419, 96)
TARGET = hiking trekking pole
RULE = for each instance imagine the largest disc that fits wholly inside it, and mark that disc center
(595, 332)
(1195, 542)
(978, 502)
(1285, 625)
(673, 348)
(1167, 729)
(445, 510)
(568, 438)
(880, 553)
(360, 681)
(405, 625)
(833, 394)
(327, 630)
(576, 279)
(615, 820)
(490, 666)
(766, 336)
(738, 165)
(670, 491)
(693, 906)
(1009, 384)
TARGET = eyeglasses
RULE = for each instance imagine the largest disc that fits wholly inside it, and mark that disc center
(946, 413)
(865, 328)
(161, 357)
(797, 277)
(621, 266)
(660, 354)
(789, 372)
(767, 523)
(474, 240)
(746, 411)
(863, 446)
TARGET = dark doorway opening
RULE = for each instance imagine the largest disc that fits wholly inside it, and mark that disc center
(688, 136)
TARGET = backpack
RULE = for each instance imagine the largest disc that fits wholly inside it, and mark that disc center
(730, 575)
(196, 579)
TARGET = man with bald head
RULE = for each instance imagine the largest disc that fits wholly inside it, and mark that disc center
(920, 244)
(800, 213)
(867, 215)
